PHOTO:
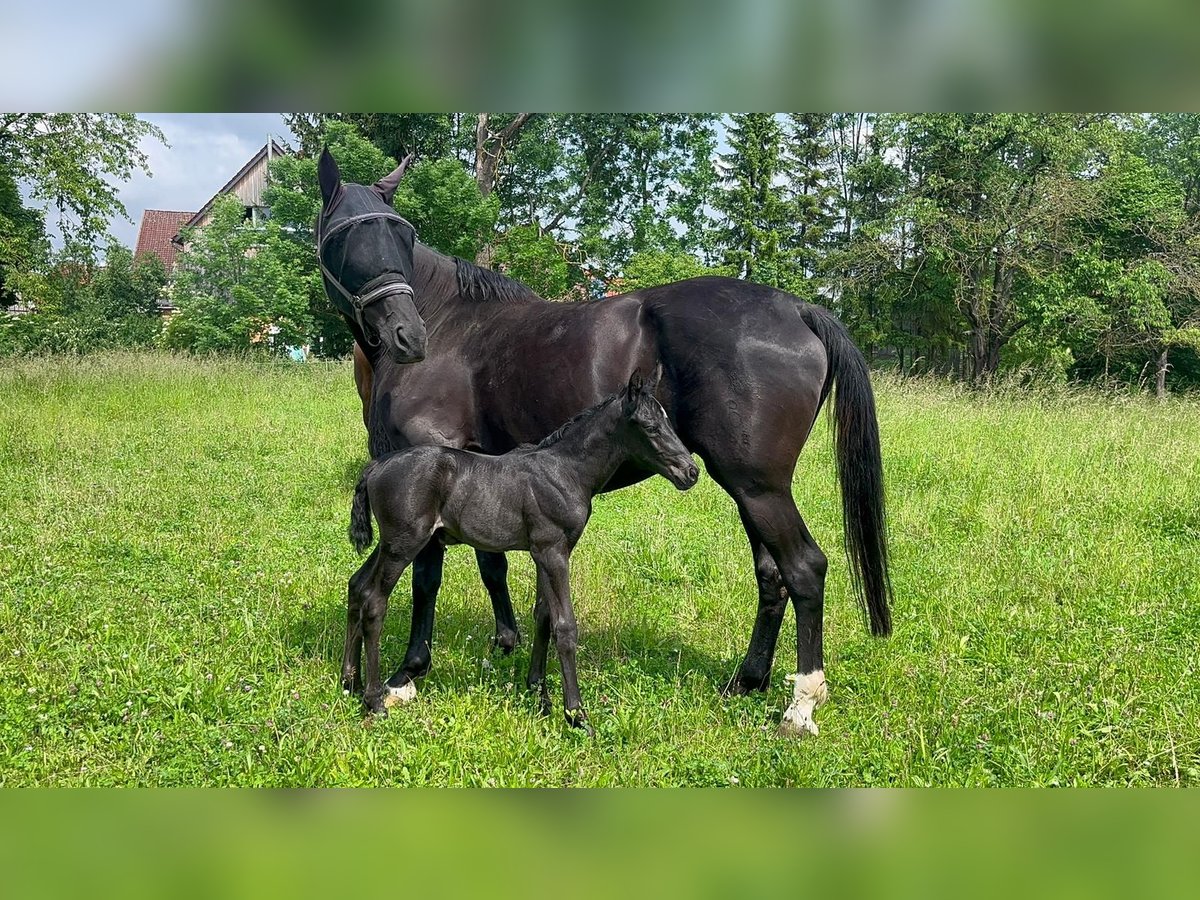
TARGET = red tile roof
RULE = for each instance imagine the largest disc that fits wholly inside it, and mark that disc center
(155, 233)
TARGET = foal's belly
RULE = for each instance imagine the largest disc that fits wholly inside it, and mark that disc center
(483, 521)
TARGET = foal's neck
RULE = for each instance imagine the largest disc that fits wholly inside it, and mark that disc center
(589, 451)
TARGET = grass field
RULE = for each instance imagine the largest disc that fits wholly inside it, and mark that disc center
(173, 565)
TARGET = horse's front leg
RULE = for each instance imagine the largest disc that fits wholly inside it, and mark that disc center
(493, 569)
(553, 575)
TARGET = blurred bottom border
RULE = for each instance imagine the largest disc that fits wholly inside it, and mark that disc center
(1090, 843)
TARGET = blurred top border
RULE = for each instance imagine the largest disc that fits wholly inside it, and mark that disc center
(691, 55)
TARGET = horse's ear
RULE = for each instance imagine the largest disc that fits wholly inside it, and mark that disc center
(329, 176)
(387, 185)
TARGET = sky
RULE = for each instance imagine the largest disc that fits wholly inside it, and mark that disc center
(206, 150)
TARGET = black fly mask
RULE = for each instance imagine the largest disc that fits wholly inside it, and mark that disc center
(365, 250)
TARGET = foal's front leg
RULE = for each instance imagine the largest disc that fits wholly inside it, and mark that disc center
(553, 577)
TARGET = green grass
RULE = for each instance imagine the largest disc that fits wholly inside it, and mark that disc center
(173, 563)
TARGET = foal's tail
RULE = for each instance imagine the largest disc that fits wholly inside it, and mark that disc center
(361, 534)
(859, 467)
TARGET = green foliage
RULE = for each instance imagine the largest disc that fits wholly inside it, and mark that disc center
(444, 204)
(82, 307)
(752, 200)
(72, 161)
(536, 260)
(235, 288)
(651, 268)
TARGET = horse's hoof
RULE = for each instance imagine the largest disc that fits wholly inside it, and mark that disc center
(376, 707)
(398, 696)
(797, 725)
(577, 718)
(739, 686)
(809, 692)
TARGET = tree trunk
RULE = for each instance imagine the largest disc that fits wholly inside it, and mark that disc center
(489, 152)
(1160, 379)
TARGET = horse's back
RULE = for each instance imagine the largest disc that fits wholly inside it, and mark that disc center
(745, 373)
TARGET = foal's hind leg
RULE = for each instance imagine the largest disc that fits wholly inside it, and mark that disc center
(389, 566)
(493, 569)
(427, 579)
(352, 654)
(802, 567)
(541, 645)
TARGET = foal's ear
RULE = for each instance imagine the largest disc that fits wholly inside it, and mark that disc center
(329, 176)
(636, 383)
(652, 384)
(387, 185)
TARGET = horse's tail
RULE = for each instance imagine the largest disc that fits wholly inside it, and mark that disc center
(859, 467)
(361, 534)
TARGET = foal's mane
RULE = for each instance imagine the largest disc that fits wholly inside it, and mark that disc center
(555, 436)
(482, 284)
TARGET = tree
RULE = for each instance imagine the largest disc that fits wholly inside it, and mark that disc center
(752, 200)
(812, 194)
(71, 160)
(991, 203)
(536, 260)
(235, 290)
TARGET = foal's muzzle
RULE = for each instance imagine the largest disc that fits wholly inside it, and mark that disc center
(684, 476)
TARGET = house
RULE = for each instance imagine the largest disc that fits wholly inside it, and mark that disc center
(160, 229)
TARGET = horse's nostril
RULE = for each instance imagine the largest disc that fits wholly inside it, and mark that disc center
(693, 472)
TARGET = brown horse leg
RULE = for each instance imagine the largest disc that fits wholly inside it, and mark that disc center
(363, 378)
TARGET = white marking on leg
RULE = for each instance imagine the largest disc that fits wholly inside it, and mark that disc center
(397, 696)
(808, 692)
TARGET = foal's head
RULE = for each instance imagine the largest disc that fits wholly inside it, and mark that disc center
(649, 437)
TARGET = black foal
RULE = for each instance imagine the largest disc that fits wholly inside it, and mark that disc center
(536, 499)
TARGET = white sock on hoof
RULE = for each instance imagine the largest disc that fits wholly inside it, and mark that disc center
(395, 696)
(808, 692)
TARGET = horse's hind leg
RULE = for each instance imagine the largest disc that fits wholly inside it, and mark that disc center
(754, 674)
(802, 567)
(426, 581)
(493, 569)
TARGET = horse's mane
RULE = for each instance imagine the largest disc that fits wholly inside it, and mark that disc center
(484, 284)
(555, 436)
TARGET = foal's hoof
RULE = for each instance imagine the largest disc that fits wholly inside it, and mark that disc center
(398, 696)
(505, 640)
(376, 707)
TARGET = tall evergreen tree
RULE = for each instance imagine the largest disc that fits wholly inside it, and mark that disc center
(753, 201)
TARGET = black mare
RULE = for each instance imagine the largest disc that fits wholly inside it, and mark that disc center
(746, 368)
(537, 499)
